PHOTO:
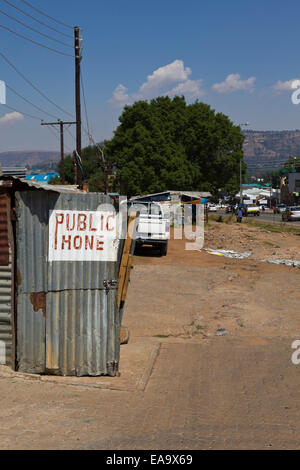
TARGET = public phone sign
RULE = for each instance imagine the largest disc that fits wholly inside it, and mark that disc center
(82, 236)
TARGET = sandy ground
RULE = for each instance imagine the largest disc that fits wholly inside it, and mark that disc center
(236, 391)
(195, 293)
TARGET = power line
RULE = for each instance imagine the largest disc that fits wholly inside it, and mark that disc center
(35, 30)
(56, 133)
(37, 20)
(86, 113)
(34, 42)
(32, 85)
(29, 102)
(21, 112)
(44, 14)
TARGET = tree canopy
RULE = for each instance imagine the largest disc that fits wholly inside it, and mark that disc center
(168, 144)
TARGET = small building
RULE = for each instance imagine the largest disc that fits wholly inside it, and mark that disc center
(18, 172)
(294, 182)
(42, 177)
(167, 199)
(61, 297)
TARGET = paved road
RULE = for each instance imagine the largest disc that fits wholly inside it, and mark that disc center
(269, 217)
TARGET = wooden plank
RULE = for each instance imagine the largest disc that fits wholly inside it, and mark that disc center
(127, 278)
(126, 263)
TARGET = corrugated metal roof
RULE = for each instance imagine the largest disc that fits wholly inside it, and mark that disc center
(195, 194)
(40, 185)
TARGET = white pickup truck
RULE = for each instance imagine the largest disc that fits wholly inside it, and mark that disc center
(251, 210)
(153, 228)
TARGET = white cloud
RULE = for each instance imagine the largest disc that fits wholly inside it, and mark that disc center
(284, 86)
(11, 118)
(233, 83)
(164, 77)
(190, 89)
(120, 96)
(171, 79)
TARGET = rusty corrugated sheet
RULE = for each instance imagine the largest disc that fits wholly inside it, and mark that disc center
(4, 246)
(68, 323)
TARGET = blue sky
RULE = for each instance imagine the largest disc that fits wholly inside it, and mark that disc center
(239, 57)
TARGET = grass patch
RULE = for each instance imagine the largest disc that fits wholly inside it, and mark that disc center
(270, 244)
(226, 219)
(161, 336)
(276, 228)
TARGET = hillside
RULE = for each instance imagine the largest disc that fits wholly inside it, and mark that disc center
(270, 148)
(262, 149)
(30, 159)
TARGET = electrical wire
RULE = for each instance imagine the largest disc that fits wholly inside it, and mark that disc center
(37, 20)
(87, 131)
(29, 102)
(21, 112)
(35, 30)
(34, 42)
(44, 14)
(70, 133)
(32, 85)
(86, 113)
(56, 133)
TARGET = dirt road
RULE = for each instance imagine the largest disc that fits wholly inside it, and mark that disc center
(239, 390)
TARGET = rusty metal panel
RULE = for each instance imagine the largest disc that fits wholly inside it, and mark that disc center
(82, 344)
(68, 323)
(5, 313)
(4, 245)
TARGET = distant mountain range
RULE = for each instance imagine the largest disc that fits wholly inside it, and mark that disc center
(30, 159)
(262, 149)
(269, 149)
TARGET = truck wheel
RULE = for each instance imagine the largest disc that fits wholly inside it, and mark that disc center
(258, 214)
(164, 250)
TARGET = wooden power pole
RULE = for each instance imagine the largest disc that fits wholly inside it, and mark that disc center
(61, 124)
(77, 46)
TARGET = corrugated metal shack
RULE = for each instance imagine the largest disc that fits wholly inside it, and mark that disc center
(59, 314)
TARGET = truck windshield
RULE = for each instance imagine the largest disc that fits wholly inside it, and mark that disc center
(146, 208)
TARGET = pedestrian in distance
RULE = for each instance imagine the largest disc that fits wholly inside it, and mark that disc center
(239, 217)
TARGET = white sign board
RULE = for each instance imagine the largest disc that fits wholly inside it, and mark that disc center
(2, 353)
(2, 92)
(82, 236)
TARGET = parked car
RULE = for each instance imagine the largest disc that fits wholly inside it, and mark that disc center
(291, 213)
(279, 209)
(212, 208)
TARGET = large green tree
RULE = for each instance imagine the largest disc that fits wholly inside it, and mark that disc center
(168, 144)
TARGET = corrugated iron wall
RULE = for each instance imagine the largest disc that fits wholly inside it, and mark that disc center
(68, 323)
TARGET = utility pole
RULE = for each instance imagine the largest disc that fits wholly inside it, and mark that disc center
(61, 124)
(62, 153)
(241, 183)
(77, 46)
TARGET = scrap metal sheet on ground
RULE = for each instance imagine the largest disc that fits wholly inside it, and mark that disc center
(287, 262)
(228, 253)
